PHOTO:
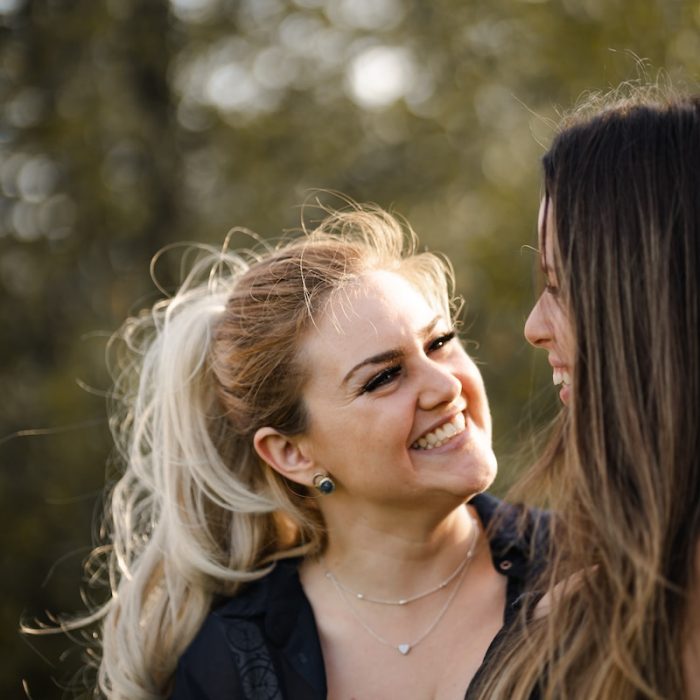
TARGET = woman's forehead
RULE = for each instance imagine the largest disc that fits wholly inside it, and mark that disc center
(541, 216)
(376, 306)
(546, 230)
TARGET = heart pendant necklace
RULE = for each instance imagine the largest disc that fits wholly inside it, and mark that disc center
(405, 647)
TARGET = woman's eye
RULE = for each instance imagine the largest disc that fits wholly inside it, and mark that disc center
(551, 289)
(441, 341)
(379, 380)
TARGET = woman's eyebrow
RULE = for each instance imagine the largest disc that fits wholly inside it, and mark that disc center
(389, 355)
(380, 359)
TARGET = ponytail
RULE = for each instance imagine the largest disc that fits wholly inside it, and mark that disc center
(168, 554)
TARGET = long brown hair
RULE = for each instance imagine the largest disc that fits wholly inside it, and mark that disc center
(621, 471)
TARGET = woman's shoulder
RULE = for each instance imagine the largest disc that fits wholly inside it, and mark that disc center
(519, 542)
(205, 670)
(260, 643)
(518, 535)
(208, 668)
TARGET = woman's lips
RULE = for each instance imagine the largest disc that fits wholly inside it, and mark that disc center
(442, 434)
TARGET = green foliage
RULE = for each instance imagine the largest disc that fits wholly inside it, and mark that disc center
(130, 124)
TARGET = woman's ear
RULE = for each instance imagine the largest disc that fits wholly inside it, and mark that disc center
(285, 454)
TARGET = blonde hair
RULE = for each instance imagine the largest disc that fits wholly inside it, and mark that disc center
(196, 512)
(622, 466)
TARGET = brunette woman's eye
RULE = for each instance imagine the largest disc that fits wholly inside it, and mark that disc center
(441, 341)
(384, 377)
(551, 289)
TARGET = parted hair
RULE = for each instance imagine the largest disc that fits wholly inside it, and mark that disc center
(621, 470)
(196, 512)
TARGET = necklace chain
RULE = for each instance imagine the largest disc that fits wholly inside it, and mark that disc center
(406, 647)
(401, 601)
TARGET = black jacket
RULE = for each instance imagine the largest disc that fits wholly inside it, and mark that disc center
(263, 644)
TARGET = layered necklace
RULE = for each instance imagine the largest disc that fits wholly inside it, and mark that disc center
(404, 648)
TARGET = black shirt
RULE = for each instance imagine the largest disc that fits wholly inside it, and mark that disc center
(263, 644)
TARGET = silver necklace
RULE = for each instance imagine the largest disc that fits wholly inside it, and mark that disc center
(405, 647)
(401, 601)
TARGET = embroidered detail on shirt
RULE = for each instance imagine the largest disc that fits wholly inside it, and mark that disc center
(255, 667)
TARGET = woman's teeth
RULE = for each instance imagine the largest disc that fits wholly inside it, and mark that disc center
(442, 434)
(560, 376)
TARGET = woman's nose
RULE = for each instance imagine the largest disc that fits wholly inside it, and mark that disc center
(537, 329)
(440, 386)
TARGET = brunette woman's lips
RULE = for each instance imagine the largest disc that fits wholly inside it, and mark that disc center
(562, 377)
(565, 394)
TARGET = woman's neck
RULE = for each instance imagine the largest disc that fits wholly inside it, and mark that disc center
(395, 559)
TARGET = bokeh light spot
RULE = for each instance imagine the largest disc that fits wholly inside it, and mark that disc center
(379, 76)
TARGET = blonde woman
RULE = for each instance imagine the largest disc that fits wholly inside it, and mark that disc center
(305, 444)
(619, 318)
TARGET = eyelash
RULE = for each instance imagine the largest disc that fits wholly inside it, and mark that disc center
(442, 340)
(551, 289)
(387, 374)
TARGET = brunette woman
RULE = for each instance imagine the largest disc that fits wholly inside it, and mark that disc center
(619, 318)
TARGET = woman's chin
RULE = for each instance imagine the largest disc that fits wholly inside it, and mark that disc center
(479, 477)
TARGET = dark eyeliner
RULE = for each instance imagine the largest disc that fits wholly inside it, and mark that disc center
(381, 379)
(442, 340)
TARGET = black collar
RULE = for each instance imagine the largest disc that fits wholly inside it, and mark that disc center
(279, 595)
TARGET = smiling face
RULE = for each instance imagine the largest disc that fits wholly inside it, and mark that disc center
(548, 326)
(397, 409)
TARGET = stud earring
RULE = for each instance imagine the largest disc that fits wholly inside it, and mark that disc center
(324, 483)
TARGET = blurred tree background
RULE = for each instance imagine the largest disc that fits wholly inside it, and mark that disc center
(126, 125)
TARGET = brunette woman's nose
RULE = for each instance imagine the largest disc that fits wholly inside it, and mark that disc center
(537, 329)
